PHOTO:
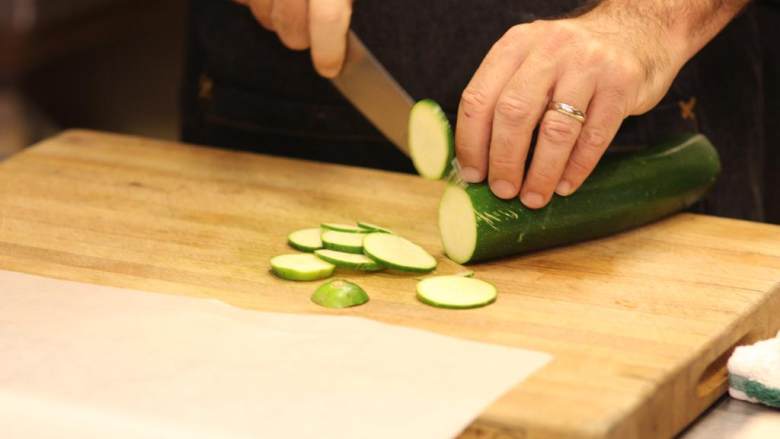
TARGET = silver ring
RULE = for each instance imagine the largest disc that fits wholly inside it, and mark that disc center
(569, 110)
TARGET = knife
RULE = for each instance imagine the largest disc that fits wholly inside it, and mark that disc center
(371, 89)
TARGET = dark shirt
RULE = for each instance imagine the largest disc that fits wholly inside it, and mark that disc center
(245, 90)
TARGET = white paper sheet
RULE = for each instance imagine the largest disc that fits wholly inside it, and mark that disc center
(79, 360)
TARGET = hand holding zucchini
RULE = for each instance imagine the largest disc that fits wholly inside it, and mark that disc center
(623, 192)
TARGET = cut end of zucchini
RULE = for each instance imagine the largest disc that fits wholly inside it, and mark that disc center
(301, 267)
(343, 241)
(456, 292)
(457, 224)
(339, 294)
(431, 142)
(305, 240)
(349, 260)
(398, 253)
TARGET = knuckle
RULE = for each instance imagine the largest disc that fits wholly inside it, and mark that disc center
(513, 109)
(473, 101)
(502, 163)
(593, 140)
(503, 158)
(561, 33)
(580, 165)
(543, 177)
(627, 71)
(559, 129)
(596, 54)
(276, 17)
(514, 33)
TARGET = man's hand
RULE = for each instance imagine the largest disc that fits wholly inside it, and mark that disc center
(320, 24)
(617, 60)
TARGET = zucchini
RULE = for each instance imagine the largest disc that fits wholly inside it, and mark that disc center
(349, 228)
(456, 292)
(398, 253)
(368, 227)
(431, 143)
(305, 240)
(343, 241)
(301, 267)
(624, 191)
(349, 260)
(339, 294)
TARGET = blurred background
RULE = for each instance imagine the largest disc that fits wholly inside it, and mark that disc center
(113, 65)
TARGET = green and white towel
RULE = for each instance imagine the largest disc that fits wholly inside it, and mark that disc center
(754, 372)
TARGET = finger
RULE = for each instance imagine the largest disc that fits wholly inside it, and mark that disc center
(516, 114)
(261, 9)
(290, 20)
(475, 111)
(557, 136)
(328, 26)
(605, 114)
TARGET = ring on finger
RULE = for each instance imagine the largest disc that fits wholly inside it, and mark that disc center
(568, 110)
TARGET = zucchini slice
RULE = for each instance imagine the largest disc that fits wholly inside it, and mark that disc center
(301, 267)
(431, 142)
(368, 227)
(339, 294)
(349, 260)
(398, 253)
(350, 228)
(305, 240)
(456, 292)
(624, 191)
(343, 241)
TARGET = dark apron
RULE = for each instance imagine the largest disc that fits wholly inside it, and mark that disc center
(244, 90)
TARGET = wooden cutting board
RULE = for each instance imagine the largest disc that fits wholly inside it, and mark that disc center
(640, 324)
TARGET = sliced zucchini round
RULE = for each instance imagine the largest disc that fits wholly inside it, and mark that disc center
(351, 228)
(343, 241)
(456, 292)
(349, 260)
(301, 267)
(431, 143)
(398, 253)
(305, 240)
(339, 293)
(368, 227)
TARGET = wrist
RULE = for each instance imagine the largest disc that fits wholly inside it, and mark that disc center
(680, 27)
(661, 49)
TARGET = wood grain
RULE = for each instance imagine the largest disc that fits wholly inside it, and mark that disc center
(640, 323)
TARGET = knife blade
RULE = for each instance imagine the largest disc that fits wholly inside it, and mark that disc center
(374, 92)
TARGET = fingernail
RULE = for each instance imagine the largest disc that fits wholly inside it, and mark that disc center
(471, 175)
(532, 200)
(563, 188)
(503, 189)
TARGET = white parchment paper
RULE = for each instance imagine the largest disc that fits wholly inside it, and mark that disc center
(88, 361)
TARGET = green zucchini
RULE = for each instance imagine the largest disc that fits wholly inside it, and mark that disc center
(349, 228)
(456, 292)
(343, 241)
(431, 143)
(398, 253)
(369, 228)
(305, 240)
(339, 293)
(301, 267)
(349, 260)
(624, 191)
